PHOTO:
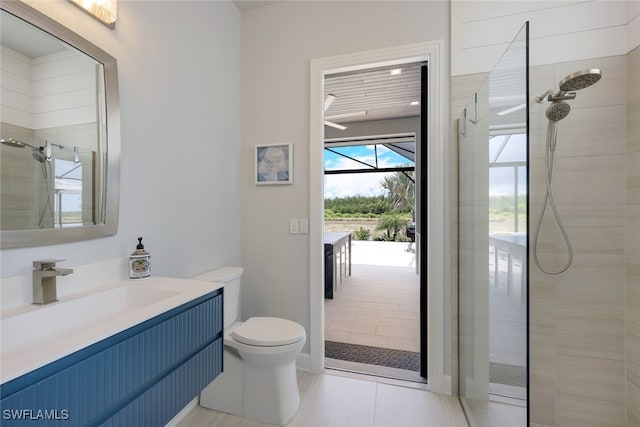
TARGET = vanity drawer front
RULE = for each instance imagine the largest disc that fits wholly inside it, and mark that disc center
(159, 404)
(92, 385)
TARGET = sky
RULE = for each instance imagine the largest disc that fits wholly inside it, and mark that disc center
(507, 148)
(358, 184)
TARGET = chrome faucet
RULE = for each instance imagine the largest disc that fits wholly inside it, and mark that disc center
(44, 280)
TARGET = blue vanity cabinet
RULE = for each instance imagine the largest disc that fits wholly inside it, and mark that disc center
(142, 376)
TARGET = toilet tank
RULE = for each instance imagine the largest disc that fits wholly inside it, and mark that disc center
(230, 276)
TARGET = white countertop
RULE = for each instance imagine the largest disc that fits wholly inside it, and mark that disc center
(168, 293)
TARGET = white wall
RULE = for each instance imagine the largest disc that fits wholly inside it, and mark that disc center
(560, 31)
(179, 74)
(278, 42)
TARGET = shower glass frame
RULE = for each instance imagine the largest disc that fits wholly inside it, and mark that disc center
(493, 257)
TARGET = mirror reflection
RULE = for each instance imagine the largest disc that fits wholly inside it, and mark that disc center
(53, 131)
(59, 102)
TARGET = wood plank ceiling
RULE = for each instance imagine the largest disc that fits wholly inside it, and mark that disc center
(374, 94)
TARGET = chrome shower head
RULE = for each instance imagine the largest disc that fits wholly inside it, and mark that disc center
(17, 144)
(13, 143)
(574, 81)
(580, 80)
(36, 152)
(557, 111)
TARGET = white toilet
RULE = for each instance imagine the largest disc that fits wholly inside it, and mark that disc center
(259, 379)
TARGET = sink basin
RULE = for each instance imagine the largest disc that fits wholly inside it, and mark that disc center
(32, 336)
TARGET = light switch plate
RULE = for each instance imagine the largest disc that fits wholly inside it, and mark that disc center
(304, 226)
(293, 226)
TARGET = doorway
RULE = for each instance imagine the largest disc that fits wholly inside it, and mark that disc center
(435, 201)
(372, 310)
(373, 289)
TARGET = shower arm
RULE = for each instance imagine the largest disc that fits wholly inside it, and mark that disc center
(561, 96)
(552, 96)
(540, 98)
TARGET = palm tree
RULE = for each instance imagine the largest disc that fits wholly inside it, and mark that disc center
(400, 187)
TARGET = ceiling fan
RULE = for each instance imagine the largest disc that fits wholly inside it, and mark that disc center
(327, 103)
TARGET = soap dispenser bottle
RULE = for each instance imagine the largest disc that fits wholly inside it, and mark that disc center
(139, 262)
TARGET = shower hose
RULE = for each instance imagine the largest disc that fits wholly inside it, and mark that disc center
(552, 134)
(47, 205)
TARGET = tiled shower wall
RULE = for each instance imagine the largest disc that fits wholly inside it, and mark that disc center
(577, 318)
(20, 173)
(585, 323)
(633, 239)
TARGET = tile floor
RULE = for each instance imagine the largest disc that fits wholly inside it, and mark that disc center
(490, 413)
(378, 304)
(330, 400)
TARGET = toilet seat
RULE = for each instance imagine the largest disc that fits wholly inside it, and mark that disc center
(268, 332)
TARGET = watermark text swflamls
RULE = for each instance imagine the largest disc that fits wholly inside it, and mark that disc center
(36, 414)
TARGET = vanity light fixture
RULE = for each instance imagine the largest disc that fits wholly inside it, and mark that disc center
(104, 11)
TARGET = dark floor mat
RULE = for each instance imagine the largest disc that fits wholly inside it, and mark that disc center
(400, 359)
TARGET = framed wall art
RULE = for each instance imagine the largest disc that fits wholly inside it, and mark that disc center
(274, 164)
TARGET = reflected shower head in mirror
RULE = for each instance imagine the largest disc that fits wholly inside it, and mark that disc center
(36, 152)
(580, 80)
(558, 110)
(17, 144)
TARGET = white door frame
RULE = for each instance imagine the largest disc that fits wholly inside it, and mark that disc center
(437, 169)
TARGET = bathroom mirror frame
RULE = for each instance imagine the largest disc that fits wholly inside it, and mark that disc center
(107, 218)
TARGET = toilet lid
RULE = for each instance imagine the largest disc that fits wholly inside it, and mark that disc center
(268, 331)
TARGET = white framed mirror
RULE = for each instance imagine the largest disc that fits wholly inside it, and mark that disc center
(60, 132)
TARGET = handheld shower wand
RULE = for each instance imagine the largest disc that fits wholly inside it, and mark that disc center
(558, 110)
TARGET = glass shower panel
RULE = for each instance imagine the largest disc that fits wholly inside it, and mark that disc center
(492, 245)
(473, 269)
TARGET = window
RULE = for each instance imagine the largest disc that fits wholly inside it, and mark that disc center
(507, 183)
(68, 193)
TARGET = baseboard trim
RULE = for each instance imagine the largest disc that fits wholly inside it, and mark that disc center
(303, 362)
(183, 413)
(447, 386)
